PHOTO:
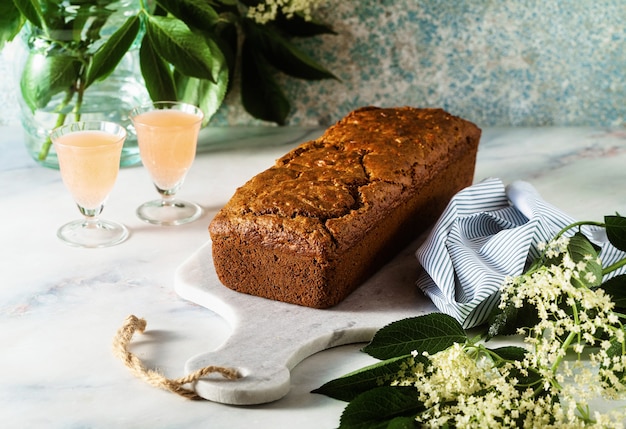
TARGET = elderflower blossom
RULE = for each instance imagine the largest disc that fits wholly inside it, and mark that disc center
(462, 386)
(470, 391)
(268, 10)
(586, 320)
(546, 288)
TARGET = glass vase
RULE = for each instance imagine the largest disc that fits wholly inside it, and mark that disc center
(110, 99)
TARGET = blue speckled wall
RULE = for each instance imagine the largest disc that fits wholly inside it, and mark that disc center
(495, 62)
(522, 62)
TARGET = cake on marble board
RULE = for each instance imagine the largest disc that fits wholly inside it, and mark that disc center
(329, 213)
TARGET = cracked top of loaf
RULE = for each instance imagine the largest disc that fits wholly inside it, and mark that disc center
(325, 194)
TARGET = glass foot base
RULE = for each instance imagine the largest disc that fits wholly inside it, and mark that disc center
(169, 212)
(92, 234)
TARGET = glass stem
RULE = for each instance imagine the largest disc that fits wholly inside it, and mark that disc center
(91, 215)
(167, 195)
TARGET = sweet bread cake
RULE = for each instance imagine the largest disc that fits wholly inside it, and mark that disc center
(329, 213)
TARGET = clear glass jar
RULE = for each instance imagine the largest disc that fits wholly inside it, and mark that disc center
(110, 99)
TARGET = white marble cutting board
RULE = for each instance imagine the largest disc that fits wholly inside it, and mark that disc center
(269, 338)
(577, 170)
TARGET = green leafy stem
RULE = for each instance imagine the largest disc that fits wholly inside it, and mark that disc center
(188, 51)
(615, 227)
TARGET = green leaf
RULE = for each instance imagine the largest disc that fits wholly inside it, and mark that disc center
(402, 423)
(377, 408)
(87, 24)
(429, 333)
(156, 73)
(227, 37)
(507, 320)
(195, 13)
(260, 94)
(351, 385)
(108, 56)
(203, 93)
(524, 379)
(46, 75)
(31, 10)
(228, 2)
(299, 27)
(581, 250)
(616, 287)
(616, 231)
(510, 352)
(282, 54)
(177, 44)
(11, 22)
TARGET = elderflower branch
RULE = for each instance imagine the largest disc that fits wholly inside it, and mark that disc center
(558, 305)
(606, 270)
(577, 224)
(568, 341)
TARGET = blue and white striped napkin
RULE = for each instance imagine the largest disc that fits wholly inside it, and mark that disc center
(486, 233)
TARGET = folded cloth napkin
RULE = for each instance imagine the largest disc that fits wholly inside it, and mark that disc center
(486, 233)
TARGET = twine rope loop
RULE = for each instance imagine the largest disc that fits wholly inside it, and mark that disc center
(121, 342)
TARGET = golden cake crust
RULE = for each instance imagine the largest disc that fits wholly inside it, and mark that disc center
(315, 225)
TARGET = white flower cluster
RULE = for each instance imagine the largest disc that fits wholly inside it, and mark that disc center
(573, 318)
(268, 10)
(464, 388)
(469, 386)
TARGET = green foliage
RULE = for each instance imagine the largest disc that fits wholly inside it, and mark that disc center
(373, 401)
(31, 11)
(298, 27)
(282, 54)
(561, 312)
(46, 76)
(429, 333)
(616, 231)
(503, 355)
(376, 400)
(260, 93)
(11, 22)
(265, 48)
(188, 52)
(382, 407)
(202, 92)
(505, 321)
(111, 53)
(179, 46)
(581, 250)
(195, 13)
(159, 81)
(382, 373)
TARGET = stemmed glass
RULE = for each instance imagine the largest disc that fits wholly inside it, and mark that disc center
(167, 134)
(89, 160)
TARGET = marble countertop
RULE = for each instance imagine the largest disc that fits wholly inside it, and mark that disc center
(61, 306)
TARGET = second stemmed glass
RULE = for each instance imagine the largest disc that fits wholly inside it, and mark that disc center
(167, 134)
